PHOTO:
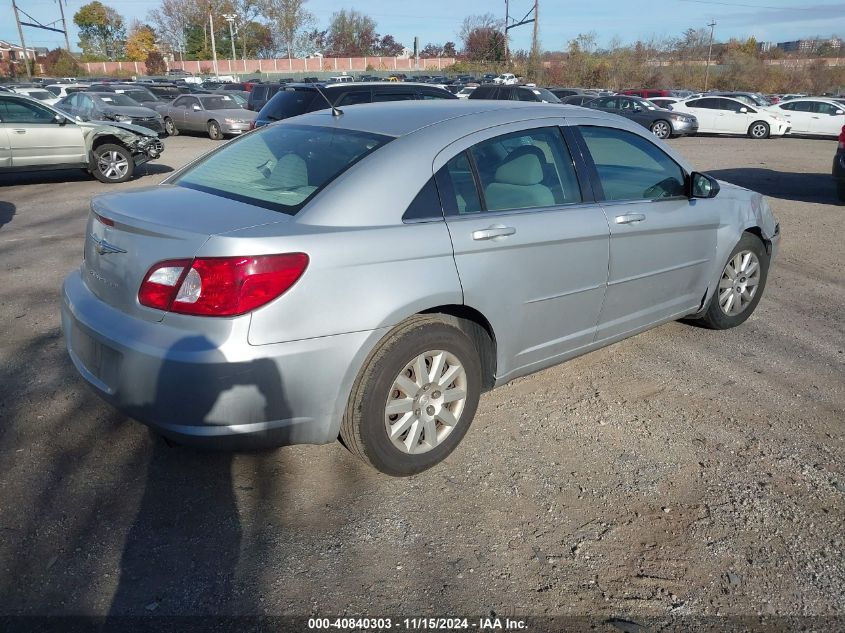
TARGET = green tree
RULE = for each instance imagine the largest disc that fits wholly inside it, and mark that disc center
(291, 18)
(59, 63)
(102, 34)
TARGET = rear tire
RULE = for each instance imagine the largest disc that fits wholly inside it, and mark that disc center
(661, 129)
(214, 131)
(170, 127)
(402, 420)
(112, 164)
(759, 130)
(735, 298)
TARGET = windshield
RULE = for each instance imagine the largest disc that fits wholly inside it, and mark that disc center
(546, 95)
(221, 102)
(139, 95)
(41, 95)
(280, 167)
(116, 99)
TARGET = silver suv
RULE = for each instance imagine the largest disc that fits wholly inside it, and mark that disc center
(35, 136)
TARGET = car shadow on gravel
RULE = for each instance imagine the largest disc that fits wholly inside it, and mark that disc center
(182, 552)
(73, 175)
(7, 212)
(817, 188)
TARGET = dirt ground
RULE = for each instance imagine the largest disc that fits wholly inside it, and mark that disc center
(681, 472)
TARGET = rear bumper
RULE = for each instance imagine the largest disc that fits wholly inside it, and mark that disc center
(222, 394)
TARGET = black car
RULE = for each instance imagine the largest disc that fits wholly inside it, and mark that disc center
(839, 166)
(298, 99)
(563, 93)
(261, 94)
(136, 92)
(662, 123)
(513, 93)
(578, 100)
(165, 92)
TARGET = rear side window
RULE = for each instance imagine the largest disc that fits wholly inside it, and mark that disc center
(631, 167)
(280, 167)
(523, 94)
(287, 103)
(356, 96)
(709, 103)
(531, 169)
(426, 205)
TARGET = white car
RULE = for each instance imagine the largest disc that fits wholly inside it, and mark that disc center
(37, 93)
(808, 115)
(726, 115)
(667, 103)
(506, 79)
(465, 92)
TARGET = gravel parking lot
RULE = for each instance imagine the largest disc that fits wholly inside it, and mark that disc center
(681, 472)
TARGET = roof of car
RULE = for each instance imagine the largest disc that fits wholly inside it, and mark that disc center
(347, 84)
(398, 118)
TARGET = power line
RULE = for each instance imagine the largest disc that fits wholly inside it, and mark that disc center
(759, 6)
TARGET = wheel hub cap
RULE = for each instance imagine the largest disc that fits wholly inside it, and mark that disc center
(739, 283)
(426, 402)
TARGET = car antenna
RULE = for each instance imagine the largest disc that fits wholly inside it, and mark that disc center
(335, 111)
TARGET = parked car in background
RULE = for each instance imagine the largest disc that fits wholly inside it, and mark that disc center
(298, 99)
(725, 115)
(751, 98)
(110, 106)
(261, 94)
(665, 102)
(41, 94)
(136, 92)
(39, 137)
(501, 92)
(465, 92)
(218, 115)
(647, 93)
(812, 116)
(562, 93)
(662, 123)
(236, 316)
(506, 79)
(839, 166)
(578, 100)
(165, 92)
(63, 90)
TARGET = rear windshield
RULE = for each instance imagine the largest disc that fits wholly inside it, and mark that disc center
(163, 91)
(287, 103)
(280, 167)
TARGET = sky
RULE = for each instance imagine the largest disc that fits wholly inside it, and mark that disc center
(560, 20)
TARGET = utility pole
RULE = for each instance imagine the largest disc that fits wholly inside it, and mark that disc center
(64, 25)
(535, 45)
(507, 17)
(23, 43)
(709, 53)
(230, 18)
(213, 43)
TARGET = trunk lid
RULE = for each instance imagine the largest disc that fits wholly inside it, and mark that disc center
(149, 225)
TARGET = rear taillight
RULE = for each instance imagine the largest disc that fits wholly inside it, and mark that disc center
(102, 220)
(220, 286)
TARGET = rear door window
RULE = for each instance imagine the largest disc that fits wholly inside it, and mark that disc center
(709, 103)
(631, 167)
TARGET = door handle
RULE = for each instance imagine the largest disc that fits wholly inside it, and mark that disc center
(19, 131)
(492, 232)
(630, 218)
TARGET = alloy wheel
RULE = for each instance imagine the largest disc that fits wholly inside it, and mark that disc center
(739, 283)
(112, 165)
(661, 130)
(426, 401)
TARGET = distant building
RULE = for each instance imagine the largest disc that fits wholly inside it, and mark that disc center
(765, 47)
(13, 52)
(809, 46)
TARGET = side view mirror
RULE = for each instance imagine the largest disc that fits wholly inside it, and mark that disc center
(839, 113)
(637, 108)
(60, 119)
(744, 110)
(703, 186)
(196, 108)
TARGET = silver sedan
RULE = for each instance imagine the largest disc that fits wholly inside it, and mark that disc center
(367, 274)
(217, 115)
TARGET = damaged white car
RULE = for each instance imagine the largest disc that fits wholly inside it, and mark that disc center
(35, 136)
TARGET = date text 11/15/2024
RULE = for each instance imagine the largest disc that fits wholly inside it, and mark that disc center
(418, 624)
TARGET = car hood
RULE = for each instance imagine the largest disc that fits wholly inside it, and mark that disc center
(118, 128)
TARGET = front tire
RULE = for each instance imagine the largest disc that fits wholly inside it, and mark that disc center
(741, 285)
(661, 129)
(415, 397)
(113, 164)
(759, 130)
(214, 131)
(170, 127)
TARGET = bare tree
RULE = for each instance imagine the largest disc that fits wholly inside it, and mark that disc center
(290, 19)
